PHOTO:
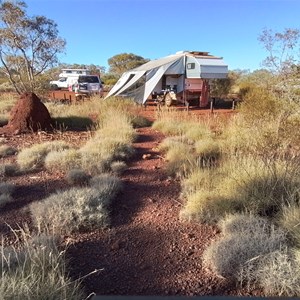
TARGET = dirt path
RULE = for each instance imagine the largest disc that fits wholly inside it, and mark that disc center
(148, 251)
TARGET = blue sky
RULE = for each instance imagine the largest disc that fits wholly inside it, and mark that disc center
(96, 30)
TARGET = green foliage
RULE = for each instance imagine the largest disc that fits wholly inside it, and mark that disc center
(109, 79)
(29, 45)
(140, 121)
(120, 63)
(73, 122)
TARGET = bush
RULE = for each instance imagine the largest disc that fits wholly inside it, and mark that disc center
(277, 273)
(208, 151)
(32, 158)
(240, 223)
(140, 121)
(261, 187)
(118, 167)
(78, 208)
(78, 177)
(63, 160)
(7, 188)
(9, 170)
(5, 199)
(289, 219)
(198, 179)
(36, 270)
(208, 206)
(7, 151)
(228, 255)
(180, 159)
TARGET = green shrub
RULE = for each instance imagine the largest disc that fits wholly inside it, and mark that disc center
(180, 159)
(73, 122)
(108, 185)
(140, 121)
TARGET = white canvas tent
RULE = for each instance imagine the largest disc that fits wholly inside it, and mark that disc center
(181, 65)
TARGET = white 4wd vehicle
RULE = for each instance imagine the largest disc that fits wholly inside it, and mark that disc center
(63, 83)
(88, 84)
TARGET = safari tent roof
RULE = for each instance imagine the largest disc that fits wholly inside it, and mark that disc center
(208, 67)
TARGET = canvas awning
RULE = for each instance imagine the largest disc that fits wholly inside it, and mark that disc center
(207, 67)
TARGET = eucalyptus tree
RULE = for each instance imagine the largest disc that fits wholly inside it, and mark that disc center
(28, 45)
(283, 60)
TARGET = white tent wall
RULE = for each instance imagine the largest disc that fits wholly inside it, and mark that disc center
(131, 82)
(152, 82)
(121, 82)
(175, 67)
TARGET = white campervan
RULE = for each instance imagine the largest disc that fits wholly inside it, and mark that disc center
(67, 78)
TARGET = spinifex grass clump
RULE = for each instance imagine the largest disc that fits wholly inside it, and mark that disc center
(32, 158)
(63, 160)
(256, 237)
(77, 177)
(6, 191)
(78, 208)
(112, 142)
(8, 170)
(6, 150)
(35, 269)
(289, 219)
(277, 273)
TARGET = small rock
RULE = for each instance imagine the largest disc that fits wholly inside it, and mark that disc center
(146, 156)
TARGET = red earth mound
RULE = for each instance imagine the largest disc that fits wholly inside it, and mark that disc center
(29, 114)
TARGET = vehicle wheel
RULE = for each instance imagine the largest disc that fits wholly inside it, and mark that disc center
(54, 87)
(168, 100)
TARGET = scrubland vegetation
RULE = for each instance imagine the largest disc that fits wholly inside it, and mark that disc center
(36, 267)
(242, 174)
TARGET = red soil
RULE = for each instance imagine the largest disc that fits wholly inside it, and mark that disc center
(148, 250)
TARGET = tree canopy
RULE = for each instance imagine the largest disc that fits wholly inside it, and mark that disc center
(28, 45)
(123, 62)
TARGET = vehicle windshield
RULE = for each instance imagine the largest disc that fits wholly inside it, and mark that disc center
(88, 79)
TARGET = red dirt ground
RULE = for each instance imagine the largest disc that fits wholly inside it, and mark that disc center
(147, 250)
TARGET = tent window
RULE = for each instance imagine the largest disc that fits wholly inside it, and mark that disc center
(190, 66)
